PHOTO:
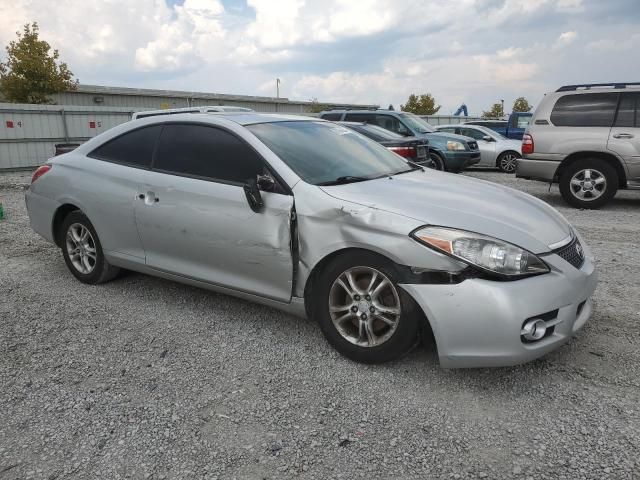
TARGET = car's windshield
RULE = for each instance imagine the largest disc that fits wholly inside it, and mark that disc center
(321, 152)
(417, 123)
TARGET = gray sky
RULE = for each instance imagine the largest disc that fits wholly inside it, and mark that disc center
(370, 51)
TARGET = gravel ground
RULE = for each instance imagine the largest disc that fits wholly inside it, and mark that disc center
(145, 378)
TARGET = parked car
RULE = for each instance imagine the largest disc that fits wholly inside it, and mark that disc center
(61, 148)
(451, 151)
(202, 109)
(495, 150)
(313, 218)
(415, 150)
(513, 128)
(586, 138)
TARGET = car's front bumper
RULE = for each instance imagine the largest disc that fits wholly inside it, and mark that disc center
(458, 160)
(477, 323)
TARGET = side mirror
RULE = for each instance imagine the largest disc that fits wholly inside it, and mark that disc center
(266, 183)
(252, 193)
(487, 138)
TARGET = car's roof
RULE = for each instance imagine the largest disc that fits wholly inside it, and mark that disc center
(241, 118)
(379, 111)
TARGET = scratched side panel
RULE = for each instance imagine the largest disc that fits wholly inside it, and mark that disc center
(327, 224)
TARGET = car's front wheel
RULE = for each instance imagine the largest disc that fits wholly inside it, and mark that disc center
(507, 162)
(588, 183)
(362, 311)
(82, 250)
(435, 162)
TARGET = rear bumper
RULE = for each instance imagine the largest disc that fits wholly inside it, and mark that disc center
(41, 211)
(531, 169)
(478, 323)
(459, 160)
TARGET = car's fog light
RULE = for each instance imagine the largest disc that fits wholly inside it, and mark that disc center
(534, 329)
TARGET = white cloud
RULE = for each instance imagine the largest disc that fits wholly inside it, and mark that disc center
(566, 38)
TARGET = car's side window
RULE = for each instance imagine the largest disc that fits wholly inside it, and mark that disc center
(360, 117)
(134, 148)
(585, 110)
(448, 130)
(628, 110)
(334, 117)
(472, 132)
(206, 152)
(392, 124)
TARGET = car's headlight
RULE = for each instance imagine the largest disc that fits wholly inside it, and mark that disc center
(455, 146)
(484, 252)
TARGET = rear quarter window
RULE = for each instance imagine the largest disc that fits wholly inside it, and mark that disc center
(585, 110)
(334, 117)
(134, 148)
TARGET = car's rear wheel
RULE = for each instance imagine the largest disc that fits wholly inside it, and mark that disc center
(362, 311)
(435, 162)
(588, 183)
(82, 250)
(507, 161)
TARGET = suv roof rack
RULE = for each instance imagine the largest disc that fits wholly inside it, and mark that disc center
(588, 86)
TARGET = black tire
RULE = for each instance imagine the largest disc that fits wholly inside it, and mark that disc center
(438, 161)
(599, 194)
(407, 330)
(506, 162)
(101, 271)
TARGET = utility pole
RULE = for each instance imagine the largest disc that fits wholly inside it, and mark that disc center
(277, 92)
(502, 108)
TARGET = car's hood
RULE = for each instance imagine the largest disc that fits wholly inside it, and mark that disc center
(466, 203)
(449, 136)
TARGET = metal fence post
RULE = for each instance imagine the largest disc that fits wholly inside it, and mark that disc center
(65, 128)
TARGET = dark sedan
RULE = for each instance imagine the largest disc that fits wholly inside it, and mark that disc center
(415, 150)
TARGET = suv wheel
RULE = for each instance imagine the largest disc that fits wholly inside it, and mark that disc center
(435, 162)
(362, 311)
(588, 183)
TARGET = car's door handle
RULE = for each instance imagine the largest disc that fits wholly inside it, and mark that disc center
(622, 135)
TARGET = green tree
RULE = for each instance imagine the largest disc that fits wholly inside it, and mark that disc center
(32, 71)
(495, 112)
(425, 104)
(521, 105)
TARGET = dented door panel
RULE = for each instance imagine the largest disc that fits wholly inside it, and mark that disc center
(206, 231)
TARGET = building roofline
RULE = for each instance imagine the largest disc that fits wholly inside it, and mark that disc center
(106, 90)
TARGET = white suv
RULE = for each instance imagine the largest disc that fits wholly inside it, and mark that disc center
(586, 138)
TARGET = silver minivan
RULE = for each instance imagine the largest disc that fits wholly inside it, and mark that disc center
(313, 218)
(586, 138)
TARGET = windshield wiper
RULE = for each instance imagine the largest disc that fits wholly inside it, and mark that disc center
(343, 180)
(417, 167)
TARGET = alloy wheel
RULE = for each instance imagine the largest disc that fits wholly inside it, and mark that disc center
(588, 184)
(81, 248)
(508, 162)
(364, 306)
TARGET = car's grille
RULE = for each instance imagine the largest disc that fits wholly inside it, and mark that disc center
(572, 253)
(473, 145)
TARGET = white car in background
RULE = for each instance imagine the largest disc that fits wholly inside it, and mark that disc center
(495, 150)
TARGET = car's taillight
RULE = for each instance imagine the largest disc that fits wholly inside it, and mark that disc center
(39, 172)
(407, 152)
(527, 144)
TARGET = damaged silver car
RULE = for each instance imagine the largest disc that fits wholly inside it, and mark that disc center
(313, 218)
